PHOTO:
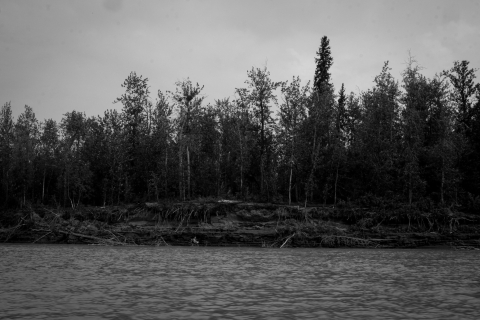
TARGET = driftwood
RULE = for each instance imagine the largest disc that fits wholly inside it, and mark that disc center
(163, 240)
(14, 229)
(286, 240)
(329, 240)
(46, 234)
(110, 241)
(237, 223)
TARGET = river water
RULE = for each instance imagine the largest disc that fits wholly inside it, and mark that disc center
(92, 282)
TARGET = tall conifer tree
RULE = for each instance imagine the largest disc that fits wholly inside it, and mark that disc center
(320, 115)
(324, 62)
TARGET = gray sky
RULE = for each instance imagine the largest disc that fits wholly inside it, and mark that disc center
(59, 56)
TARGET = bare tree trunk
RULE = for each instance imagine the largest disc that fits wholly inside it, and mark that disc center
(296, 191)
(43, 185)
(442, 184)
(241, 180)
(6, 186)
(79, 196)
(241, 171)
(336, 181)
(262, 149)
(65, 190)
(309, 185)
(166, 172)
(290, 186)
(261, 173)
(188, 174)
(410, 195)
(241, 160)
(119, 189)
(218, 170)
(105, 196)
(126, 188)
(181, 186)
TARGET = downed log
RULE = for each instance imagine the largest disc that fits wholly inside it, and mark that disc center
(46, 234)
(14, 229)
(92, 238)
(287, 240)
(333, 240)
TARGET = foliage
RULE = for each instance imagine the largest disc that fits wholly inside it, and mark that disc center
(408, 148)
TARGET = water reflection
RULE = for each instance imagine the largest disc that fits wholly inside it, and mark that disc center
(58, 282)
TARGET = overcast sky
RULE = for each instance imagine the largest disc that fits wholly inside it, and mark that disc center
(59, 56)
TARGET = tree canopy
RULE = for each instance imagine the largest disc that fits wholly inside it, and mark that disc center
(412, 140)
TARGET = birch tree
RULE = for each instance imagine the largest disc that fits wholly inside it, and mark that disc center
(292, 114)
(188, 102)
(260, 94)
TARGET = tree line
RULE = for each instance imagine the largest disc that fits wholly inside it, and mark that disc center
(412, 140)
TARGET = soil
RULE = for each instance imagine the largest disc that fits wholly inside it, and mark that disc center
(235, 223)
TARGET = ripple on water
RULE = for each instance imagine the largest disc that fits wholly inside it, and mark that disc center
(58, 282)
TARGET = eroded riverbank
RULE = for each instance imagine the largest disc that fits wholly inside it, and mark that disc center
(233, 223)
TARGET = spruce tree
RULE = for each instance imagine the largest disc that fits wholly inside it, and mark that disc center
(324, 62)
(319, 120)
(341, 116)
(463, 97)
(135, 102)
(462, 78)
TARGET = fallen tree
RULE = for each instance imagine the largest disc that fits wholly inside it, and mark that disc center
(234, 223)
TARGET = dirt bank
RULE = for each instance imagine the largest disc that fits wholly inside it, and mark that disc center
(233, 223)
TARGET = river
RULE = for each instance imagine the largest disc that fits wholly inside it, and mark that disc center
(93, 282)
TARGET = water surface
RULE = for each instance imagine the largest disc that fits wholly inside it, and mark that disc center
(92, 282)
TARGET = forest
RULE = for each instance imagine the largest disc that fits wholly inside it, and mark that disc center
(411, 141)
